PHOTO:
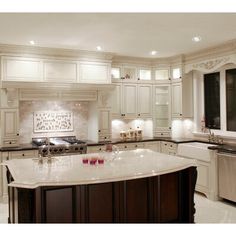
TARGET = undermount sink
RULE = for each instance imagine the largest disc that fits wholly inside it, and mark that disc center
(195, 150)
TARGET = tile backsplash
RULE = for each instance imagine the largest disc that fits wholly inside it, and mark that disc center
(27, 109)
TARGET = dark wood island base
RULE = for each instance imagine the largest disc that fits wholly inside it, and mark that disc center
(167, 198)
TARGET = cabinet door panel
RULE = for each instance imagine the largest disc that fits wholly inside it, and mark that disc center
(130, 100)
(10, 121)
(177, 100)
(60, 71)
(94, 73)
(104, 120)
(21, 69)
(116, 100)
(144, 100)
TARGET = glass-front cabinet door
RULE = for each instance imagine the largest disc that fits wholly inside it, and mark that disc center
(162, 111)
(145, 75)
(176, 73)
(162, 75)
(115, 73)
(129, 73)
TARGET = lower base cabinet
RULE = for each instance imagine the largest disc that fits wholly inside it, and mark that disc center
(165, 198)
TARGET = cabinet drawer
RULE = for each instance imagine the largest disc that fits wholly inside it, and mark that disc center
(104, 137)
(129, 146)
(95, 149)
(23, 154)
(10, 143)
(162, 134)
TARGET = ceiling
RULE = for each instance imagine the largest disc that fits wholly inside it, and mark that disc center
(128, 34)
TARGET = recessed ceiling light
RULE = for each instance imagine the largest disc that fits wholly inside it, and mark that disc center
(153, 53)
(32, 42)
(99, 48)
(196, 39)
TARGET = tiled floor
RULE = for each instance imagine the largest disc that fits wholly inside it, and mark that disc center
(206, 211)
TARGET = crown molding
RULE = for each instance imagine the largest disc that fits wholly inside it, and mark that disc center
(219, 50)
(54, 52)
(117, 59)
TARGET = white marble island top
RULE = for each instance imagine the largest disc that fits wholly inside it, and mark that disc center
(70, 170)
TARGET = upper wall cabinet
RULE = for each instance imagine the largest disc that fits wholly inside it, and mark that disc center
(129, 73)
(94, 72)
(182, 97)
(144, 75)
(176, 73)
(162, 75)
(21, 69)
(60, 71)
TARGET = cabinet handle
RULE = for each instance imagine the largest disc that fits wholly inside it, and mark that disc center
(180, 114)
(138, 114)
(136, 145)
(170, 145)
(99, 131)
(125, 146)
(138, 78)
(169, 127)
(17, 134)
(23, 154)
(169, 78)
(165, 144)
(9, 142)
(161, 133)
(105, 137)
(100, 149)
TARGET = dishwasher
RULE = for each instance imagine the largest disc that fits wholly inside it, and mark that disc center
(227, 175)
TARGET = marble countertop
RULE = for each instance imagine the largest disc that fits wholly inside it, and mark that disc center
(70, 170)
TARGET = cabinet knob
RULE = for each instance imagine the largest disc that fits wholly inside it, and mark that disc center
(10, 142)
(138, 78)
(17, 134)
(23, 154)
(100, 149)
(138, 114)
(169, 127)
(161, 133)
(136, 145)
(125, 146)
(99, 130)
(180, 114)
(105, 137)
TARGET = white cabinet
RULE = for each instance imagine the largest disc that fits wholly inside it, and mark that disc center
(116, 73)
(21, 69)
(9, 98)
(169, 148)
(162, 110)
(144, 97)
(96, 149)
(129, 73)
(176, 99)
(153, 145)
(60, 71)
(3, 178)
(104, 125)
(162, 75)
(130, 146)
(94, 72)
(129, 100)
(116, 100)
(182, 97)
(10, 127)
(145, 75)
(176, 72)
(23, 154)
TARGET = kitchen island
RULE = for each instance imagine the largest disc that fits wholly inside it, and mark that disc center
(129, 187)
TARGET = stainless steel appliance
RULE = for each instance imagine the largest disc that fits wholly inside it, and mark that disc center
(60, 145)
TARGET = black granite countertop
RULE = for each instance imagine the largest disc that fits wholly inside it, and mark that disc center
(228, 148)
(21, 147)
(145, 139)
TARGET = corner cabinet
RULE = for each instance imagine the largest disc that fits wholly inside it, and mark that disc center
(182, 97)
(162, 110)
(9, 127)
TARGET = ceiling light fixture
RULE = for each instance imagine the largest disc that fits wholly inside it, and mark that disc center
(32, 42)
(196, 39)
(99, 48)
(153, 53)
